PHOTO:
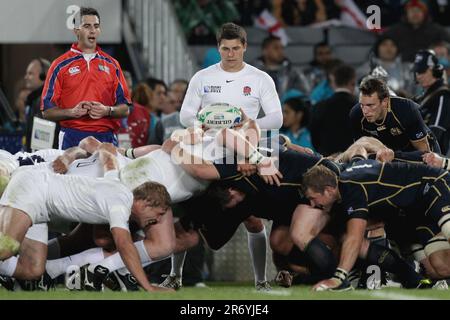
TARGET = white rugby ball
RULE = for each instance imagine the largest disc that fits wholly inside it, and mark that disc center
(219, 115)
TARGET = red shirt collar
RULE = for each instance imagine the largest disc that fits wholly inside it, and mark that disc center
(76, 49)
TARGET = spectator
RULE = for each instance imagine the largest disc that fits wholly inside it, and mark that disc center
(19, 101)
(304, 12)
(330, 118)
(324, 90)
(34, 81)
(280, 69)
(440, 11)
(442, 50)
(295, 121)
(201, 19)
(435, 102)
(417, 31)
(315, 72)
(249, 10)
(385, 54)
(157, 100)
(85, 90)
(178, 88)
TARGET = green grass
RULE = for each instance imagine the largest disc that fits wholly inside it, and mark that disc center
(228, 291)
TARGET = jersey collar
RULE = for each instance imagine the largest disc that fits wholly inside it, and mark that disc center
(77, 50)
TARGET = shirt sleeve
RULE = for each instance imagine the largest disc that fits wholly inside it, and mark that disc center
(414, 125)
(270, 103)
(51, 93)
(116, 204)
(122, 93)
(226, 170)
(354, 201)
(192, 102)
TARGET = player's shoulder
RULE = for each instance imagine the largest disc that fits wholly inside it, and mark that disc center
(211, 70)
(400, 104)
(105, 56)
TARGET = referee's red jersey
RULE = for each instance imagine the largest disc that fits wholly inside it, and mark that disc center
(75, 77)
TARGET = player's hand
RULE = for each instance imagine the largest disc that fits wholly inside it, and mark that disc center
(246, 169)
(168, 145)
(326, 285)
(98, 110)
(244, 119)
(121, 151)
(60, 165)
(433, 159)
(80, 110)
(192, 135)
(385, 155)
(269, 172)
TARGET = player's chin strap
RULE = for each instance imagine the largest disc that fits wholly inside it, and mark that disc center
(8, 244)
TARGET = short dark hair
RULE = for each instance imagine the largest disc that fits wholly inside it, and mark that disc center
(268, 40)
(86, 11)
(300, 105)
(231, 31)
(319, 45)
(319, 177)
(219, 192)
(153, 82)
(370, 85)
(154, 193)
(343, 75)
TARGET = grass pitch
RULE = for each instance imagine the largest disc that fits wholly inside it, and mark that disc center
(232, 291)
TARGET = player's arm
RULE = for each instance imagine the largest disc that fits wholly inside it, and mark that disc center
(191, 103)
(130, 256)
(134, 153)
(351, 246)
(421, 145)
(270, 103)
(61, 163)
(193, 165)
(108, 159)
(58, 114)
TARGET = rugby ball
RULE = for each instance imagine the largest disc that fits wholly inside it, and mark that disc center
(219, 115)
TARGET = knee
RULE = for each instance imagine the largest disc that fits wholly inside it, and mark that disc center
(254, 225)
(301, 239)
(104, 243)
(279, 244)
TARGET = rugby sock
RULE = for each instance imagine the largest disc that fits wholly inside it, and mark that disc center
(58, 267)
(323, 263)
(390, 261)
(257, 245)
(8, 266)
(177, 260)
(114, 262)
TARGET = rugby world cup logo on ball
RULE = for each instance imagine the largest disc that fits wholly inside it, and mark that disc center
(219, 115)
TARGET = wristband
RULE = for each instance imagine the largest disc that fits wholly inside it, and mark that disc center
(129, 153)
(110, 111)
(255, 157)
(446, 164)
(340, 274)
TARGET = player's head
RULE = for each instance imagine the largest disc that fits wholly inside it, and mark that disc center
(232, 43)
(427, 68)
(36, 73)
(87, 28)
(320, 187)
(373, 98)
(227, 197)
(151, 202)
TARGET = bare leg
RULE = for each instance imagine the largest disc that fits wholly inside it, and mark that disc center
(14, 223)
(32, 258)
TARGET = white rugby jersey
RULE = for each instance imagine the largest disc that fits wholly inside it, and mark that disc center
(90, 167)
(250, 89)
(157, 166)
(87, 200)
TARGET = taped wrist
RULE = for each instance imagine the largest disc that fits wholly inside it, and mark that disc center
(8, 244)
(129, 153)
(255, 157)
(446, 164)
(340, 274)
